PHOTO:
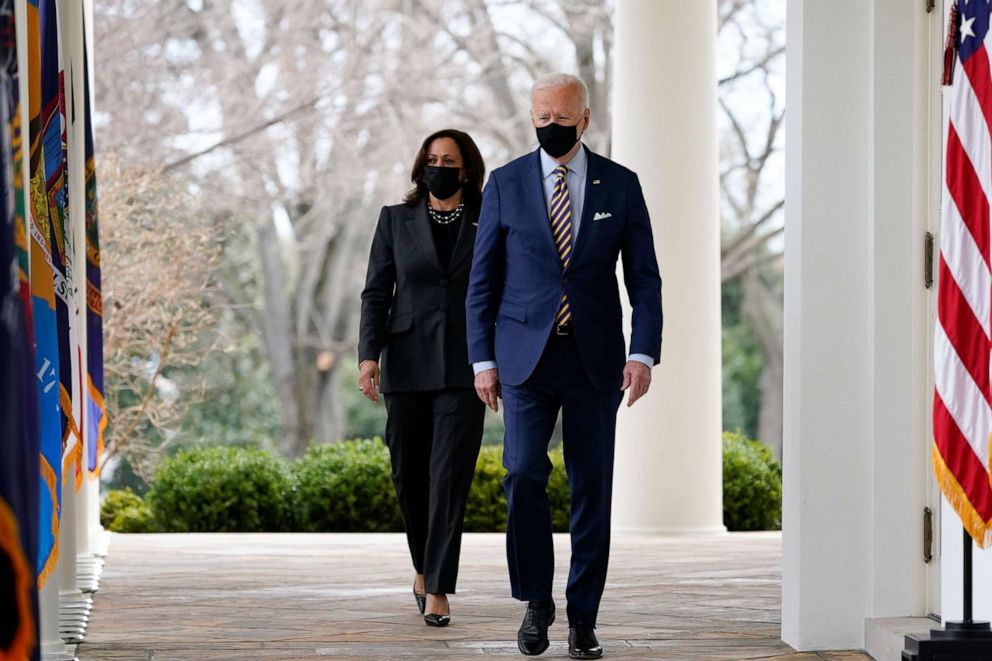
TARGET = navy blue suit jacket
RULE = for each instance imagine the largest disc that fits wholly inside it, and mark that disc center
(517, 278)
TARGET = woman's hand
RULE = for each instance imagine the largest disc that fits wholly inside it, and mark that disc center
(368, 379)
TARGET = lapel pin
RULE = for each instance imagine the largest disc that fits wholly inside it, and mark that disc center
(595, 181)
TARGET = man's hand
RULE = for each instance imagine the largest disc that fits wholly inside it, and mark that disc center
(368, 379)
(636, 377)
(487, 387)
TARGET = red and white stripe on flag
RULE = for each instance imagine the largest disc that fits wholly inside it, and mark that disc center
(962, 407)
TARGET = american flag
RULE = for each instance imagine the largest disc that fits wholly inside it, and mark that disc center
(962, 408)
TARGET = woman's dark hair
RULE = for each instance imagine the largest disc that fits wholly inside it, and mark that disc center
(475, 167)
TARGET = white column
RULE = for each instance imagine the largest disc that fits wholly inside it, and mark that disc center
(53, 648)
(77, 218)
(74, 606)
(828, 331)
(98, 537)
(668, 452)
(89, 533)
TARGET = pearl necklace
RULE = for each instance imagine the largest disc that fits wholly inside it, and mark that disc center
(446, 217)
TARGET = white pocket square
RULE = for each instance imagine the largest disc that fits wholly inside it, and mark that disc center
(602, 215)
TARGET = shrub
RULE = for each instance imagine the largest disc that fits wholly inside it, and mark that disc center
(122, 510)
(486, 508)
(221, 489)
(558, 491)
(752, 485)
(345, 487)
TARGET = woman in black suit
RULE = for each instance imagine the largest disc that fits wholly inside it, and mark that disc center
(413, 316)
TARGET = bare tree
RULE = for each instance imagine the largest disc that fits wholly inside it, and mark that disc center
(296, 119)
(751, 175)
(157, 257)
(291, 121)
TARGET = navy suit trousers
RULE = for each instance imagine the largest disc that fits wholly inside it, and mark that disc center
(559, 383)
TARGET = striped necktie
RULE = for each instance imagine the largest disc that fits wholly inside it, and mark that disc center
(561, 228)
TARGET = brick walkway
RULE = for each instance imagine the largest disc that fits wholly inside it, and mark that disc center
(240, 597)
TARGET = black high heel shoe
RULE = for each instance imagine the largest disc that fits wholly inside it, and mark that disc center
(435, 620)
(421, 598)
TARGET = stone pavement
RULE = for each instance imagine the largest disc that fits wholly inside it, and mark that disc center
(312, 596)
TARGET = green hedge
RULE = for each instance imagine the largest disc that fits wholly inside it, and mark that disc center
(486, 507)
(346, 487)
(124, 511)
(752, 485)
(221, 489)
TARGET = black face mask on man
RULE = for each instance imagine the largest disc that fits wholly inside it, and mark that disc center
(442, 182)
(557, 139)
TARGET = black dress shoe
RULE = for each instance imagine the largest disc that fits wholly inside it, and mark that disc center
(532, 638)
(435, 619)
(582, 643)
(421, 600)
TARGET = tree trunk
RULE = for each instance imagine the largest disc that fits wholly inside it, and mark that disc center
(329, 424)
(762, 310)
(488, 53)
(584, 40)
(279, 340)
(772, 404)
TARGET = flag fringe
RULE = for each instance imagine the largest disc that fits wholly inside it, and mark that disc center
(72, 462)
(979, 529)
(50, 566)
(65, 400)
(74, 453)
(51, 481)
(94, 474)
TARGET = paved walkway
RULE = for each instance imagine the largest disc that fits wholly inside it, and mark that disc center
(240, 597)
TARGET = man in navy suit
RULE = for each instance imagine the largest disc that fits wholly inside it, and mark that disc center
(545, 334)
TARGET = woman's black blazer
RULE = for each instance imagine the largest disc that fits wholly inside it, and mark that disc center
(413, 308)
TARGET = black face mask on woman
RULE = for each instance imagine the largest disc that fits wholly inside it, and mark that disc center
(556, 139)
(442, 182)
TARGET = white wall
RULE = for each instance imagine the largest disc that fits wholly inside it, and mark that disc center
(899, 458)
(855, 456)
(952, 543)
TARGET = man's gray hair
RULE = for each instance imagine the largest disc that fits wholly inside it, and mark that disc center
(557, 80)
